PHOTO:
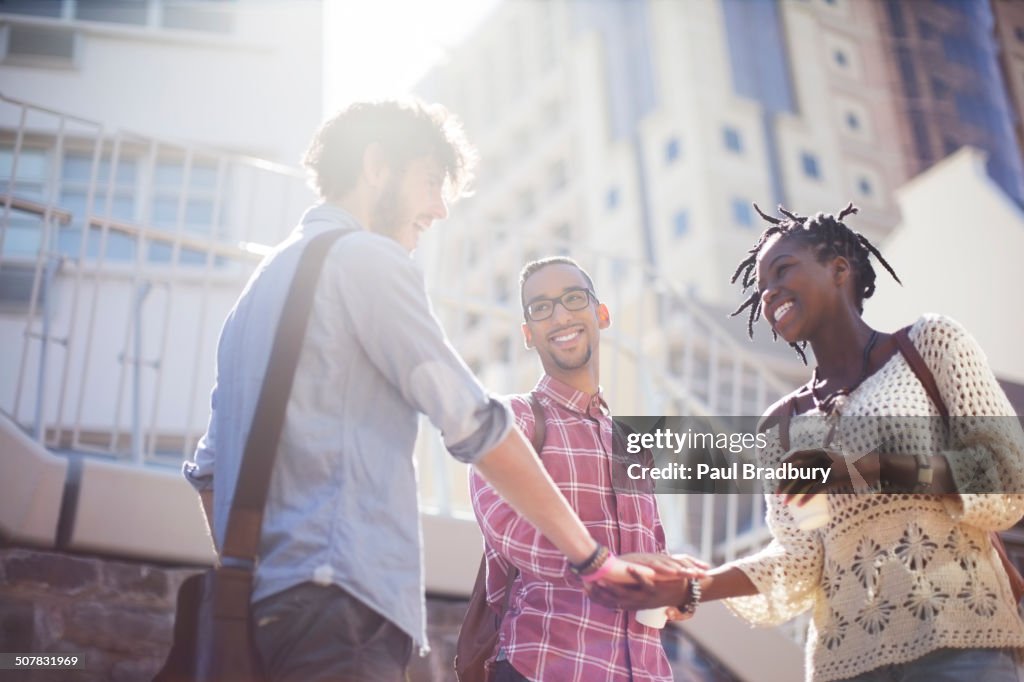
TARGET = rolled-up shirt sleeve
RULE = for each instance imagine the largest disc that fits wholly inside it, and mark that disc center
(513, 537)
(385, 298)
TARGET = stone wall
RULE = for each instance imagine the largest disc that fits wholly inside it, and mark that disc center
(118, 615)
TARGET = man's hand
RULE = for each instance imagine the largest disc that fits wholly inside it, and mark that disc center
(669, 587)
(642, 571)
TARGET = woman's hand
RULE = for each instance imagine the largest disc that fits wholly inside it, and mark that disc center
(846, 473)
(670, 586)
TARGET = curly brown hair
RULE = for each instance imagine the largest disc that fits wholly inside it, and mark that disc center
(404, 129)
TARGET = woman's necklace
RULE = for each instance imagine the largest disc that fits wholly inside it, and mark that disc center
(834, 402)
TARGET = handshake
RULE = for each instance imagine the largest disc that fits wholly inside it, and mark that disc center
(661, 582)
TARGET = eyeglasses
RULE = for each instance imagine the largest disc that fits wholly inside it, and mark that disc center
(574, 299)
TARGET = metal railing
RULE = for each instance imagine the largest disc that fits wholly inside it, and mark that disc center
(114, 355)
(111, 351)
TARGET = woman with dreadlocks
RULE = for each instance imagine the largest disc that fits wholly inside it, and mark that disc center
(903, 583)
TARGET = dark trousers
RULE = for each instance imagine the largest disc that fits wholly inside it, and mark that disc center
(315, 632)
(504, 672)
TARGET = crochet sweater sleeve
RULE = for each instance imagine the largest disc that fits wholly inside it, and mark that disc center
(787, 573)
(986, 444)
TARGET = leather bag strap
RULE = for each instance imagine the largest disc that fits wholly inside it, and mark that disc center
(246, 516)
(921, 371)
(537, 441)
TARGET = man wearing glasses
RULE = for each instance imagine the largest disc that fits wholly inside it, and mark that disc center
(552, 631)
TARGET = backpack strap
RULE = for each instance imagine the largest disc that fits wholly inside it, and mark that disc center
(921, 371)
(540, 432)
(540, 427)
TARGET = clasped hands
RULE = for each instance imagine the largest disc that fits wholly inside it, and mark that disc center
(667, 582)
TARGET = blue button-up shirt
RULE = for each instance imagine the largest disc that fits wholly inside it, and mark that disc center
(343, 506)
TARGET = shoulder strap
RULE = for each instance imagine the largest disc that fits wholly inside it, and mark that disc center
(539, 434)
(246, 516)
(781, 413)
(921, 371)
(540, 427)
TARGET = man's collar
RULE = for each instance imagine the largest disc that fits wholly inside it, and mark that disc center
(327, 216)
(571, 398)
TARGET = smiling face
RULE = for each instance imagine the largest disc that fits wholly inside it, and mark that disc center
(410, 201)
(566, 341)
(798, 291)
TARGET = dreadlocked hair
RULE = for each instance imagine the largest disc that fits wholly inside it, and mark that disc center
(829, 238)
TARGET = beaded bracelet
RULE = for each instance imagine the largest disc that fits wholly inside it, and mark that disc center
(606, 566)
(692, 599)
(591, 563)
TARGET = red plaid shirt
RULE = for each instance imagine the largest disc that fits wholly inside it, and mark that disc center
(553, 631)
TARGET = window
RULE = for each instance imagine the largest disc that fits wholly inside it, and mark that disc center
(619, 269)
(864, 187)
(680, 223)
(39, 8)
(611, 198)
(732, 140)
(116, 187)
(215, 16)
(852, 121)
(809, 162)
(23, 231)
(742, 214)
(671, 150)
(189, 203)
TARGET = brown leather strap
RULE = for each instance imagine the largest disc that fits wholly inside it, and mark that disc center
(245, 519)
(927, 379)
(540, 427)
(921, 371)
(540, 432)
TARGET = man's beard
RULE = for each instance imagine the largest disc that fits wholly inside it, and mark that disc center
(569, 367)
(385, 219)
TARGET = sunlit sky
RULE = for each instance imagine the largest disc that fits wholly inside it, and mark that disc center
(381, 48)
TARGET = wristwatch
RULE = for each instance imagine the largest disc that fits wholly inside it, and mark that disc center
(925, 473)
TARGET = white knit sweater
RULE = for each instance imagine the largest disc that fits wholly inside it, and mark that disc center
(893, 577)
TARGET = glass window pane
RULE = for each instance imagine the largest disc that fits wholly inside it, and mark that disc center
(32, 164)
(37, 8)
(114, 11)
(167, 175)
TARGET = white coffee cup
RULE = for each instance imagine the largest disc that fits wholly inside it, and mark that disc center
(653, 618)
(811, 515)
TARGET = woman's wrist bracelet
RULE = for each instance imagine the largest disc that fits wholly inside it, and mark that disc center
(604, 569)
(591, 563)
(692, 598)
